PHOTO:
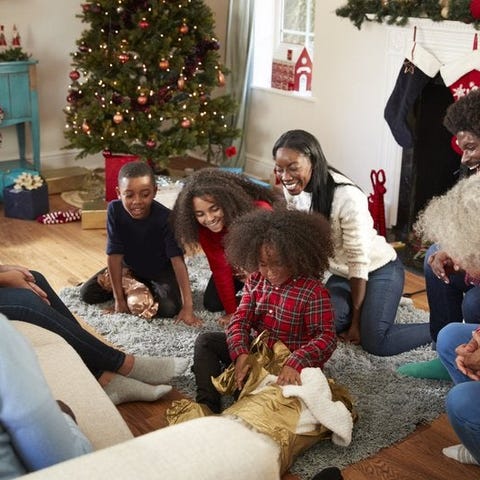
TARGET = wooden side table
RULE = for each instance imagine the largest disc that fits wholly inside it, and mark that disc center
(19, 100)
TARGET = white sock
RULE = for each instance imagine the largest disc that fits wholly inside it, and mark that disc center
(157, 370)
(460, 454)
(122, 389)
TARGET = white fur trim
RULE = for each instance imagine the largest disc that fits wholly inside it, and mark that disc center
(452, 71)
(423, 59)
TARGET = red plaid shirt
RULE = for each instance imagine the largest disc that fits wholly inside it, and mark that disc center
(299, 313)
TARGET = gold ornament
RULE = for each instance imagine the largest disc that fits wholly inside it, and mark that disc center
(184, 29)
(85, 127)
(118, 118)
(221, 78)
(163, 64)
(181, 83)
(444, 4)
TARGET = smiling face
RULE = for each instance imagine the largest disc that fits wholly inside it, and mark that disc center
(293, 169)
(137, 194)
(271, 266)
(470, 145)
(208, 213)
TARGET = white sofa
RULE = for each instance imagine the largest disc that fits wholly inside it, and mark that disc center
(207, 448)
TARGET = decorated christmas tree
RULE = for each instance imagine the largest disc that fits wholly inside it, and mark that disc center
(147, 80)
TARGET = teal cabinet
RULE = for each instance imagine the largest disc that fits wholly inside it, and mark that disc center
(19, 101)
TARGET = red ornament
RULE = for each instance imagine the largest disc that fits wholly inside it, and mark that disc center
(85, 7)
(230, 151)
(183, 29)
(150, 143)
(143, 24)
(142, 99)
(186, 123)
(74, 75)
(475, 9)
(124, 57)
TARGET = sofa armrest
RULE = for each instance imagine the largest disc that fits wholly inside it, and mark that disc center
(71, 381)
(205, 448)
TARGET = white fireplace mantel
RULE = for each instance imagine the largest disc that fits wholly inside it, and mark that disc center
(447, 41)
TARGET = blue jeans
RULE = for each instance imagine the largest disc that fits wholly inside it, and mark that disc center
(379, 333)
(22, 304)
(449, 302)
(463, 407)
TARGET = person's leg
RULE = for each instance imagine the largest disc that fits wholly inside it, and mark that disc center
(210, 357)
(449, 338)
(22, 304)
(463, 411)
(166, 292)
(380, 335)
(92, 292)
(211, 300)
(341, 299)
(444, 299)
(471, 305)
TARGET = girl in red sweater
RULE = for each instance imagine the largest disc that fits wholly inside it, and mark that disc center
(208, 203)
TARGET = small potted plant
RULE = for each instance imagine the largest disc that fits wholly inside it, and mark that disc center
(27, 198)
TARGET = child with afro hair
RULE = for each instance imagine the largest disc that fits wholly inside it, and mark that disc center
(209, 202)
(285, 254)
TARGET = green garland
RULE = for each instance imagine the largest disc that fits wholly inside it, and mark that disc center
(397, 12)
(13, 54)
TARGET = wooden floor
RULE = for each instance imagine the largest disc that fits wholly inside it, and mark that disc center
(68, 255)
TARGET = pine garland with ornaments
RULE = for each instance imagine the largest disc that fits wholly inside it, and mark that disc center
(397, 12)
(147, 80)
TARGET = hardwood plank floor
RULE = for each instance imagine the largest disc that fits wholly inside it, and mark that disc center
(68, 255)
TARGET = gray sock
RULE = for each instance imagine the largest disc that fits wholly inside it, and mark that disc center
(460, 454)
(122, 389)
(157, 370)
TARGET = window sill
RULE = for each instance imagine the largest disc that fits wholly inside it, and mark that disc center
(286, 93)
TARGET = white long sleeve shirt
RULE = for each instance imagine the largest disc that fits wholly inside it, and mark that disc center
(358, 248)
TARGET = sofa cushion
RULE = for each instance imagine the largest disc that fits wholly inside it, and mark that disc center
(71, 381)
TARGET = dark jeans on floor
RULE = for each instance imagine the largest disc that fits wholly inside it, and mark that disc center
(211, 300)
(449, 302)
(210, 358)
(164, 289)
(23, 304)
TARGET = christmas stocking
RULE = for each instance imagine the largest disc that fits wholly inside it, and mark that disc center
(419, 67)
(60, 217)
(461, 77)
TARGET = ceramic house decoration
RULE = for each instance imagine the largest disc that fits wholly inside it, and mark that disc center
(293, 74)
(303, 72)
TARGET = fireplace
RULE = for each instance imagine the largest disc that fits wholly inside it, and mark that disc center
(429, 168)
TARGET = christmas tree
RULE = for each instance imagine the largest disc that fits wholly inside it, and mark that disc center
(146, 80)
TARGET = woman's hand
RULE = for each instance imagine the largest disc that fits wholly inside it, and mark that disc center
(289, 376)
(352, 335)
(187, 316)
(19, 277)
(241, 370)
(442, 265)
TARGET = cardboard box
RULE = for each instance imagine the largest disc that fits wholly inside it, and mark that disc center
(65, 179)
(94, 215)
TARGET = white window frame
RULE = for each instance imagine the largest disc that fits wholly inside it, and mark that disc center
(268, 45)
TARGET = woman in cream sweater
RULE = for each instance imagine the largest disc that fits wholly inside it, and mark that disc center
(367, 278)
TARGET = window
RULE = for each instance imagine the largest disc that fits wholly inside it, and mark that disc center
(282, 29)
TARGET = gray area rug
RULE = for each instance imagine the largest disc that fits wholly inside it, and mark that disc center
(389, 406)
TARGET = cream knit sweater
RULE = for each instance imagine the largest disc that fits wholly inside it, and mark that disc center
(358, 248)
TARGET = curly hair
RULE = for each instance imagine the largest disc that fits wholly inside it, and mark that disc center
(233, 192)
(464, 114)
(136, 169)
(453, 221)
(301, 239)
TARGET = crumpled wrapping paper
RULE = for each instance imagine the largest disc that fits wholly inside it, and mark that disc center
(140, 300)
(264, 407)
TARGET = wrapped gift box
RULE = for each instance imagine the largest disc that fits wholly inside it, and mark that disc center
(25, 204)
(94, 215)
(8, 177)
(61, 180)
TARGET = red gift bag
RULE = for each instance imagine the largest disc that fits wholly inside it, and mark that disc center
(376, 203)
(113, 164)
